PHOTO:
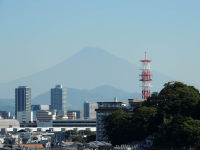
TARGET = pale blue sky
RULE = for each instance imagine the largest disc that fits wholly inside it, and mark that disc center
(37, 34)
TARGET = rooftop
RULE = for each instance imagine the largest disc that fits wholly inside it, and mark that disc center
(111, 102)
(40, 146)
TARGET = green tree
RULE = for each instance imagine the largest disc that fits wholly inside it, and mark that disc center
(86, 132)
(118, 126)
(173, 115)
(78, 139)
(180, 133)
(144, 122)
(176, 98)
(145, 113)
(191, 128)
(178, 91)
(70, 133)
(123, 128)
(178, 106)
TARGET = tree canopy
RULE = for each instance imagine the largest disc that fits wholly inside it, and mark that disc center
(172, 115)
(118, 127)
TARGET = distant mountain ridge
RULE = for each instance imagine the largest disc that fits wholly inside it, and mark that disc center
(7, 105)
(89, 68)
(76, 97)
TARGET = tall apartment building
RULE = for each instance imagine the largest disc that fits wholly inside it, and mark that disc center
(89, 110)
(22, 99)
(58, 100)
(106, 108)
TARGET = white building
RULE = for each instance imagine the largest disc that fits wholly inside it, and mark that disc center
(89, 110)
(9, 123)
(25, 116)
(106, 108)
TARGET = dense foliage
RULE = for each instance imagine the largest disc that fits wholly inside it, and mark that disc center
(118, 126)
(173, 116)
(80, 136)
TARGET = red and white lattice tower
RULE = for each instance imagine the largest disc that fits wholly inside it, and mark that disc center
(145, 78)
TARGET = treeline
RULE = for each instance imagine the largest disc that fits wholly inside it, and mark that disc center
(172, 116)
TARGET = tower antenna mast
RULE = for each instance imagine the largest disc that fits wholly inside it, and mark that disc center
(146, 77)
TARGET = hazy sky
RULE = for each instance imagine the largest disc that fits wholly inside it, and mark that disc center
(37, 34)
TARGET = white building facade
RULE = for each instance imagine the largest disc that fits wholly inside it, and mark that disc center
(89, 110)
(25, 116)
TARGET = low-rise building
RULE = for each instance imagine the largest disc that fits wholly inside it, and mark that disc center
(44, 118)
(36, 108)
(25, 116)
(5, 115)
(9, 123)
(71, 115)
(32, 146)
(133, 103)
(79, 113)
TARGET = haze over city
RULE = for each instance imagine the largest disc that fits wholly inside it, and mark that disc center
(120, 75)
